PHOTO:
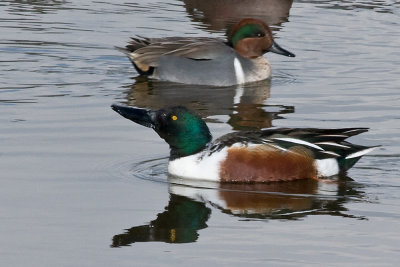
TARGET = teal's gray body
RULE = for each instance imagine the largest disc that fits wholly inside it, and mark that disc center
(207, 61)
(217, 67)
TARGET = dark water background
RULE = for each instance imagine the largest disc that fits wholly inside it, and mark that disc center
(81, 186)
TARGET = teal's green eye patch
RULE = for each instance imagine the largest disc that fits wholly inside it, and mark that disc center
(248, 31)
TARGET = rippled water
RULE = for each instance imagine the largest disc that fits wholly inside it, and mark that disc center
(81, 186)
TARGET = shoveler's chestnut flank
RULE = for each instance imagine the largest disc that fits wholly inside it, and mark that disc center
(252, 156)
(208, 61)
(260, 163)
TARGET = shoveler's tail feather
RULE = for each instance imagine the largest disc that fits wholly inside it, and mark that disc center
(347, 162)
(360, 153)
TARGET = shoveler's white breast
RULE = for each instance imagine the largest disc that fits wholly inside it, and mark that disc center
(198, 166)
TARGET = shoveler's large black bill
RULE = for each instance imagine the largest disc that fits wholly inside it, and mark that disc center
(275, 48)
(141, 116)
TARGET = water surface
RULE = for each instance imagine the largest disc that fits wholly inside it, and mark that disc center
(82, 186)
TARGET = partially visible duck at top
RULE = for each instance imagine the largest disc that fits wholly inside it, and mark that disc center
(270, 155)
(207, 61)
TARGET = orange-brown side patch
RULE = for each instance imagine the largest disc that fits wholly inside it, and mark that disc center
(264, 163)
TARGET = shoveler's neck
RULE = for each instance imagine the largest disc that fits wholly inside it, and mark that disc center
(176, 153)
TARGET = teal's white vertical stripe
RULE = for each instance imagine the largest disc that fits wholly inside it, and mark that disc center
(238, 71)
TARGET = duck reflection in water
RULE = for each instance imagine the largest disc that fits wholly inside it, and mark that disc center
(191, 203)
(244, 104)
(222, 14)
(179, 223)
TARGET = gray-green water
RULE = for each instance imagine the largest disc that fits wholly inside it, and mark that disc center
(78, 183)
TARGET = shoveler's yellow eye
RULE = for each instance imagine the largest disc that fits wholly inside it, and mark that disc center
(174, 118)
(172, 233)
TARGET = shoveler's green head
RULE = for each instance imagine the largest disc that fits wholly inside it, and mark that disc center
(252, 38)
(184, 131)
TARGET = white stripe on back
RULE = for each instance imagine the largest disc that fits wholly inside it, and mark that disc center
(332, 144)
(331, 153)
(298, 141)
(360, 153)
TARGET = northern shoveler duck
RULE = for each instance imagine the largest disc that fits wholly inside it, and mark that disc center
(207, 61)
(269, 155)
